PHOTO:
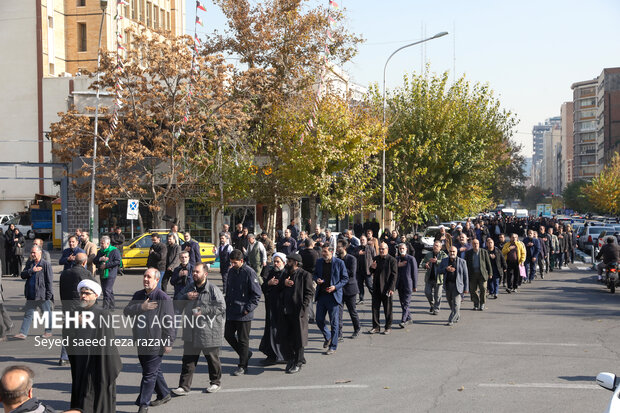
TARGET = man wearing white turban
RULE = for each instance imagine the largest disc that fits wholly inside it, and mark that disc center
(94, 367)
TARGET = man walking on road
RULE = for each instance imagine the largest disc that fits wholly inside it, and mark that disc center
(433, 280)
(479, 270)
(242, 297)
(331, 276)
(385, 273)
(514, 253)
(201, 301)
(456, 283)
(407, 281)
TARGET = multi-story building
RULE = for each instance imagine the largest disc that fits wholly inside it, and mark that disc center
(585, 159)
(608, 115)
(552, 139)
(566, 163)
(538, 141)
(45, 40)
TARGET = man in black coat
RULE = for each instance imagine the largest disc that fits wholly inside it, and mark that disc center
(287, 244)
(365, 254)
(157, 255)
(69, 295)
(350, 290)
(498, 267)
(182, 275)
(156, 310)
(296, 293)
(385, 271)
(193, 248)
(38, 289)
(108, 262)
(243, 294)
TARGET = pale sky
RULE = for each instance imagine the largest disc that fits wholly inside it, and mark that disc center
(529, 52)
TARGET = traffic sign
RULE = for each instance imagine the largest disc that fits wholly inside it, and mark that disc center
(132, 208)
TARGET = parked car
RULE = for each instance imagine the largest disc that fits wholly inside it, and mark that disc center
(136, 251)
(5, 217)
(602, 237)
(21, 222)
(610, 382)
(429, 237)
(589, 237)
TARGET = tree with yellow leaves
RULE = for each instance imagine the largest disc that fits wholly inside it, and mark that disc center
(604, 190)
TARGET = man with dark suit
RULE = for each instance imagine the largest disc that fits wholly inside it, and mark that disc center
(193, 248)
(350, 290)
(68, 254)
(157, 255)
(154, 307)
(385, 270)
(532, 252)
(407, 281)
(479, 269)
(331, 276)
(456, 282)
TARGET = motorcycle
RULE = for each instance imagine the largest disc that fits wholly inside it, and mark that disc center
(610, 382)
(611, 277)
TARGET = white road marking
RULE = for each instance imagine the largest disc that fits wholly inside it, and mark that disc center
(524, 343)
(323, 387)
(542, 385)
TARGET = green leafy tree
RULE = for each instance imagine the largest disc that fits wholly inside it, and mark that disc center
(575, 197)
(446, 146)
(532, 196)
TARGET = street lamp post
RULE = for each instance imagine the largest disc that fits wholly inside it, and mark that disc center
(440, 34)
(94, 233)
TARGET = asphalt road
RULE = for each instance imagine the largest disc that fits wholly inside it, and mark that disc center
(535, 351)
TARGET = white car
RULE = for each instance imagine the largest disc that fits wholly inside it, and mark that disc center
(610, 382)
(428, 238)
(5, 217)
(21, 222)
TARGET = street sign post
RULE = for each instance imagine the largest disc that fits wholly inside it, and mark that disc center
(132, 211)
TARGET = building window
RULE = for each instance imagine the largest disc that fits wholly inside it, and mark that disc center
(133, 9)
(155, 17)
(141, 10)
(81, 37)
(81, 3)
(168, 20)
(198, 221)
(149, 10)
(163, 19)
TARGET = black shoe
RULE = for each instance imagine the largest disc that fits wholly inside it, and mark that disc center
(326, 343)
(355, 334)
(435, 312)
(495, 296)
(289, 366)
(239, 372)
(268, 362)
(294, 369)
(508, 290)
(431, 311)
(159, 402)
(143, 409)
(62, 362)
(312, 321)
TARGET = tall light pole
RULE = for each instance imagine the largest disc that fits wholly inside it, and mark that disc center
(93, 231)
(440, 34)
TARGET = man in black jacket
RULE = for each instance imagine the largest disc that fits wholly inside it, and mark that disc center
(38, 290)
(157, 255)
(296, 293)
(155, 309)
(365, 254)
(350, 290)
(69, 296)
(242, 296)
(385, 271)
(498, 267)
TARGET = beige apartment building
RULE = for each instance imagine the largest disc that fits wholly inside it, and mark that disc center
(46, 45)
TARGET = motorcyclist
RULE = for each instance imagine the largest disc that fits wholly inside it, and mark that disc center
(610, 253)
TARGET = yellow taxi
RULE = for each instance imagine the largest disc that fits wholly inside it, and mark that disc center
(136, 251)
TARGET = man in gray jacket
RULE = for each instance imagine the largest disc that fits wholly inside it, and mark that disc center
(456, 282)
(203, 303)
(433, 280)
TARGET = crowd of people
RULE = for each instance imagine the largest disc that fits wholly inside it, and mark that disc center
(304, 278)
